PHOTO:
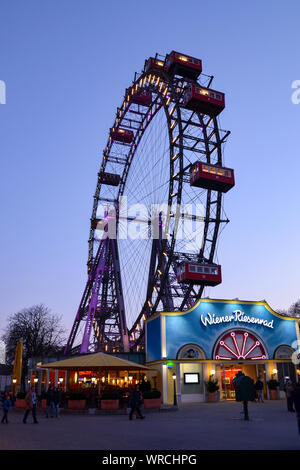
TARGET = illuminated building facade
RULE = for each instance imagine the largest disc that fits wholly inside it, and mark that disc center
(218, 338)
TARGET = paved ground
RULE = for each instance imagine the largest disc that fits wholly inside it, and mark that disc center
(201, 426)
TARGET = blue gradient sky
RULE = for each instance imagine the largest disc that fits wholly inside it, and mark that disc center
(66, 64)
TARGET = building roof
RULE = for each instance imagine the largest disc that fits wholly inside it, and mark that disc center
(97, 361)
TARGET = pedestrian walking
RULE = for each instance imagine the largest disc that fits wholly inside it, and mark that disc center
(31, 401)
(56, 401)
(296, 401)
(6, 406)
(244, 391)
(135, 403)
(289, 389)
(50, 402)
(259, 386)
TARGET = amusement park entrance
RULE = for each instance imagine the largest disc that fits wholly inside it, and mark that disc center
(226, 373)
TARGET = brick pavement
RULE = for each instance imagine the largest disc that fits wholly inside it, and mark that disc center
(201, 426)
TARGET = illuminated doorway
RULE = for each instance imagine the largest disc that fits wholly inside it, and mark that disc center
(226, 387)
(227, 372)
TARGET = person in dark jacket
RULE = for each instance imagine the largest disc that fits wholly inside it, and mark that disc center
(289, 389)
(244, 391)
(50, 402)
(31, 401)
(6, 405)
(296, 401)
(259, 386)
(135, 403)
(56, 400)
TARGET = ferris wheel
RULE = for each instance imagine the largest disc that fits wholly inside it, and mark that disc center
(157, 208)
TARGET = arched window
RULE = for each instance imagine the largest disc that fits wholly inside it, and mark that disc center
(283, 352)
(190, 351)
(239, 345)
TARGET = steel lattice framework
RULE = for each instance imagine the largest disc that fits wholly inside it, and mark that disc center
(167, 140)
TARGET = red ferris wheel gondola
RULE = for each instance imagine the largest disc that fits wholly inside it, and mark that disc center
(184, 65)
(199, 273)
(121, 135)
(212, 177)
(110, 179)
(204, 100)
(154, 65)
(143, 98)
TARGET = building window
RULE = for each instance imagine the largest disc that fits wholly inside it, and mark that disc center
(190, 351)
(283, 352)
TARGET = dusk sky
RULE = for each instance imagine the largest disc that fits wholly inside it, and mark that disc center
(66, 64)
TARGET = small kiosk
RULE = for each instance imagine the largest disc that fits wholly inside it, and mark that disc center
(218, 338)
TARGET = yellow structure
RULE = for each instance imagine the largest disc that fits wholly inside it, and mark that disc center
(17, 368)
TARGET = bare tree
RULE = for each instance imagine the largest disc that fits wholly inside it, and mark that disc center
(295, 308)
(40, 331)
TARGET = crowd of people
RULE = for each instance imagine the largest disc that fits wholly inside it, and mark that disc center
(292, 392)
(254, 392)
(54, 400)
